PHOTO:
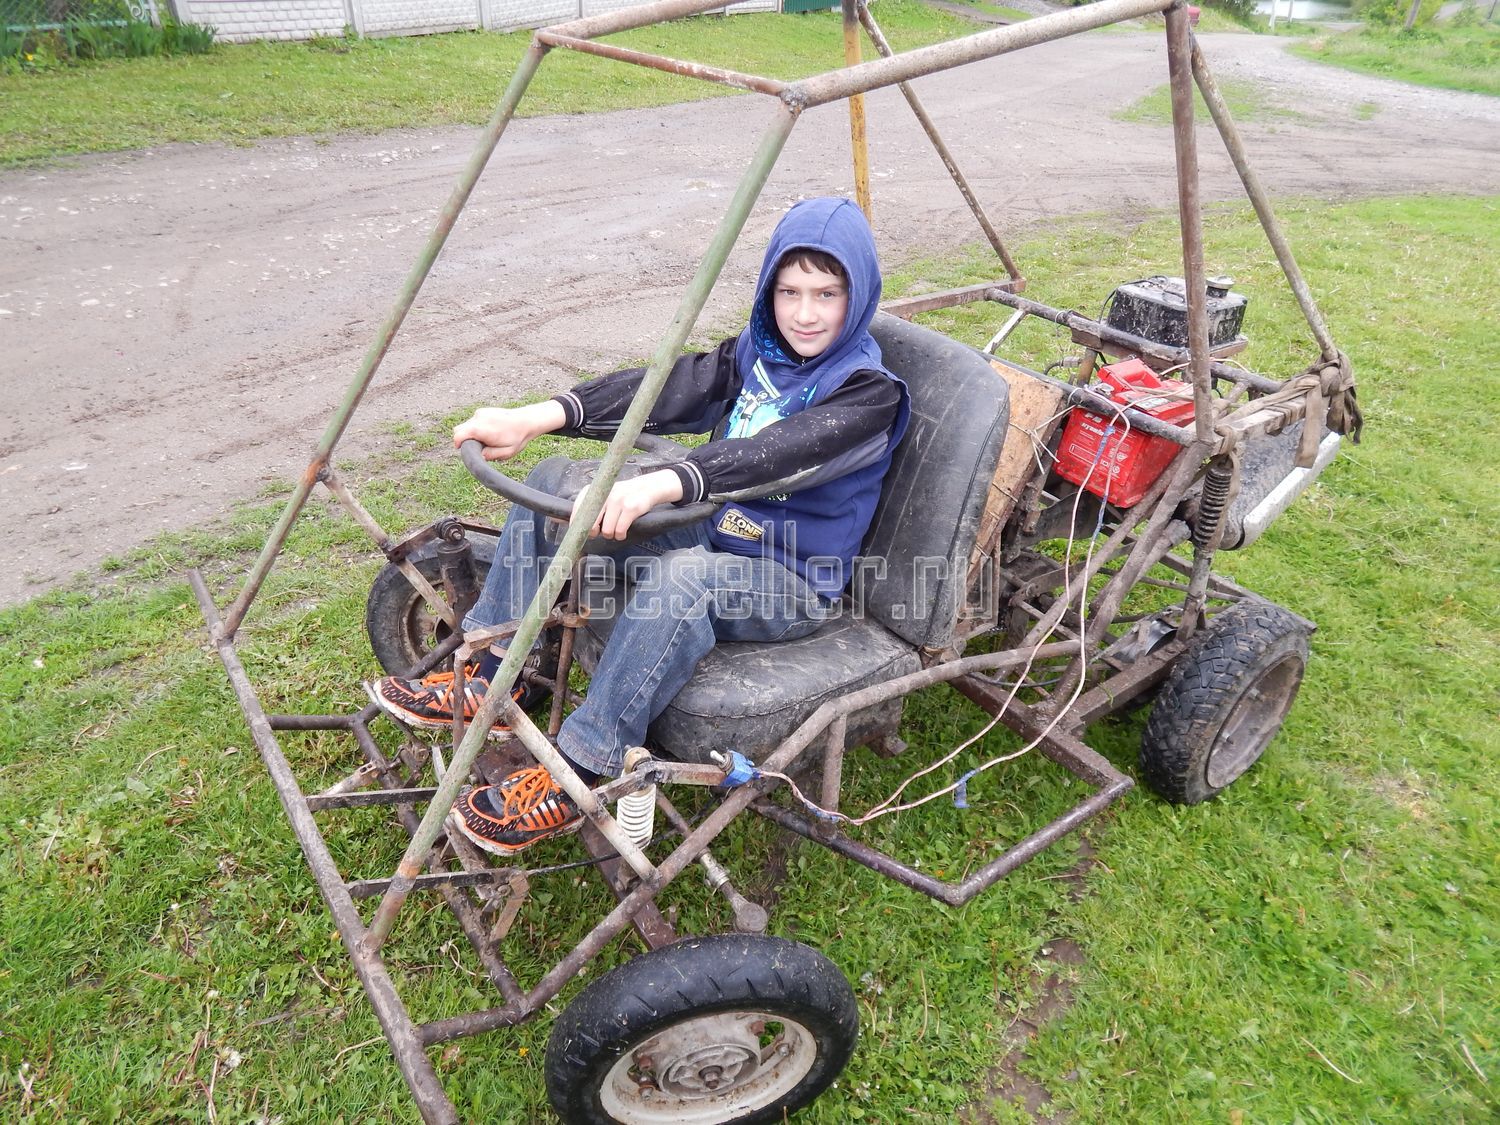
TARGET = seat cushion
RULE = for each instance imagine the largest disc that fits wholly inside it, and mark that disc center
(748, 697)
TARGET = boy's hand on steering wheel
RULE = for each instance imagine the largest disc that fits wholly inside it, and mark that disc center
(630, 499)
(504, 431)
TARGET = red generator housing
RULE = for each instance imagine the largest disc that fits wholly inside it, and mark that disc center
(1098, 453)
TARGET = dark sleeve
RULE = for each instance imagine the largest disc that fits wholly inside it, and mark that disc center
(698, 392)
(844, 432)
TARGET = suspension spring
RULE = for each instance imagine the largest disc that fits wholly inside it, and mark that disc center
(1211, 504)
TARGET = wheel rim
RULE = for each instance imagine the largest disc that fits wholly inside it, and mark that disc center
(709, 1068)
(1253, 722)
(425, 630)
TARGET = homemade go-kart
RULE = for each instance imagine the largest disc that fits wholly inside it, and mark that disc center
(1037, 514)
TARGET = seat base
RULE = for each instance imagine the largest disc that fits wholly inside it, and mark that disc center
(749, 697)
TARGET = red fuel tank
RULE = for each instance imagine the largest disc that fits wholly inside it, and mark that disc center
(1098, 453)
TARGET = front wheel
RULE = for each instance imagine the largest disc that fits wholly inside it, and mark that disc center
(401, 626)
(708, 1031)
(1223, 701)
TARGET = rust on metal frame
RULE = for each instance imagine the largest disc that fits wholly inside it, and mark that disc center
(752, 82)
(1061, 745)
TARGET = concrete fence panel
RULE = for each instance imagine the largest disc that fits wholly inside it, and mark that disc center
(238, 21)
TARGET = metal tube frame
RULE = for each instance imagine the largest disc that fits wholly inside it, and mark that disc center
(501, 891)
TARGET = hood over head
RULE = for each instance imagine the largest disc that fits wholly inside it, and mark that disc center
(838, 227)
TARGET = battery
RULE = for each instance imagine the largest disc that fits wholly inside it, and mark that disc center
(1155, 308)
(1097, 452)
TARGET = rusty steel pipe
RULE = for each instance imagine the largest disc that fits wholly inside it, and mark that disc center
(1190, 215)
(833, 763)
(525, 70)
(1218, 109)
(400, 1033)
(1172, 480)
(749, 917)
(541, 748)
(1062, 747)
(908, 307)
(1147, 552)
(952, 894)
(628, 19)
(1099, 404)
(688, 310)
(877, 73)
(1076, 322)
(341, 491)
(877, 37)
(468, 917)
(752, 82)
(783, 758)
(382, 539)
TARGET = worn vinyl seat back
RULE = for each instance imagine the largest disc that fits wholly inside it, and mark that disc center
(909, 584)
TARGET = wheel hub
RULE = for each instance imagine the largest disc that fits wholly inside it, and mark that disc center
(1252, 722)
(709, 1068)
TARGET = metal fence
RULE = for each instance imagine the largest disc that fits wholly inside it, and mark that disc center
(58, 13)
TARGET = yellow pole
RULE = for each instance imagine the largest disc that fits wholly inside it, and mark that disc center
(857, 112)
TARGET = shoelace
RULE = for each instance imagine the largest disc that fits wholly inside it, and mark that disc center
(444, 696)
(531, 791)
(433, 679)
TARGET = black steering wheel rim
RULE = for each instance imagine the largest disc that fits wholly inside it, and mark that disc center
(653, 523)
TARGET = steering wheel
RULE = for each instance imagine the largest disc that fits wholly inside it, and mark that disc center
(653, 523)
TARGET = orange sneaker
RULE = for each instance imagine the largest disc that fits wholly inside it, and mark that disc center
(526, 807)
(428, 702)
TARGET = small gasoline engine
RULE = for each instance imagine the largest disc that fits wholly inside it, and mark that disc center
(1103, 455)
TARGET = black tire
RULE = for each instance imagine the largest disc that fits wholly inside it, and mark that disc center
(1223, 702)
(402, 630)
(717, 1029)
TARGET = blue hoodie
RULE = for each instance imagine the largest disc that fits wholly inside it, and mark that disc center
(814, 531)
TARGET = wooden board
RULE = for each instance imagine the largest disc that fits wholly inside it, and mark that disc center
(1034, 407)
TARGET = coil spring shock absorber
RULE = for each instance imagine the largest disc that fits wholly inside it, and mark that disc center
(1212, 502)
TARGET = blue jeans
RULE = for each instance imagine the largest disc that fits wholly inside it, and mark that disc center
(683, 597)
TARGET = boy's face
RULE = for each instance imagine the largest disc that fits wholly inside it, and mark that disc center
(810, 306)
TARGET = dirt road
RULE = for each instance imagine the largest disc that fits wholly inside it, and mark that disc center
(178, 324)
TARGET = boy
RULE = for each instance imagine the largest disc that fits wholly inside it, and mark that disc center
(798, 399)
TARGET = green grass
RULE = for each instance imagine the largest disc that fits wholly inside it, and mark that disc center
(1215, 19)
(1247, 102)
(1339, 907)
(239, 93)
(1015, 15)
(1454, 58)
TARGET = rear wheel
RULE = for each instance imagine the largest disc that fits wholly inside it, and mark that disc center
(1223, 702)
(712, 1030)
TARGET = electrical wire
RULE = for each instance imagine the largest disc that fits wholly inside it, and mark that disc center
(888, 806)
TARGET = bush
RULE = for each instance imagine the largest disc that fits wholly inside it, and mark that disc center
(193, 38)
(1240, 10)
(84, 40)
(1392, 13)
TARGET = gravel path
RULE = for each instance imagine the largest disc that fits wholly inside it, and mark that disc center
(179, 323)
